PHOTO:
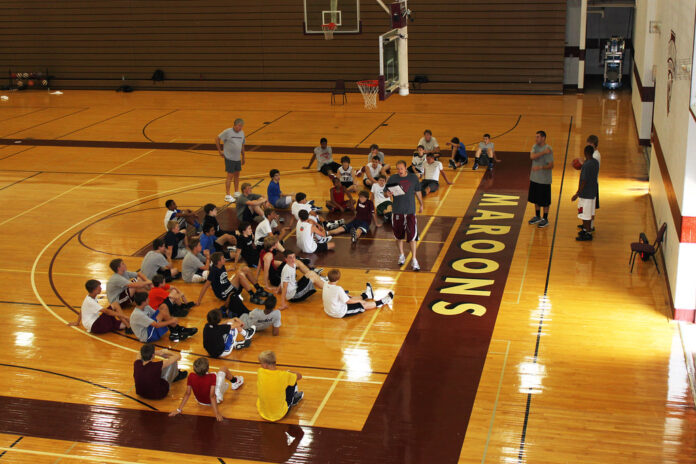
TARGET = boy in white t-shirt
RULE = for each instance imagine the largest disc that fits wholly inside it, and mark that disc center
(374, 151)
(372, 170)
(96, 319)
(346, 174)
(306, 231)
(293, 290)
(338, 304)
(383, 204)
(432, 170)
(417, 161)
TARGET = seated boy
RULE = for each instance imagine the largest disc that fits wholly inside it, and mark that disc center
(346, 174)
(219, 340)
(98, 320)
(150, 325)
(429, 143)
(156, 262)
(153, 378)
(227, 290)
(246, 248)
(374, 151)
(485, 154)
(209, 389)
(293, 290)
(383, 205)
(364, 215)
(267, 226)
(277, 390)
(183, 217)
(249, 205)
(417, 161)
(261, 319)
(432, 170)
(372, 170)
(175, 241)
(209, 244)
(193, 269)
(223, 237)
(161, 292)
(306, 232)
(338, 304)
(123, 284)
(337, 197)
(276, 197)
(324, 156)
(459, 157)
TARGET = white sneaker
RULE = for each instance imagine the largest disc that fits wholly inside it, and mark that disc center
(274, 224)
(402, 259)
(236, 194)
(238, 383)
(324, 278)
(416, 267)
(368, 291)
(229, 199)
(387, 300)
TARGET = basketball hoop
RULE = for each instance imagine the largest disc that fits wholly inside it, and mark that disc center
(369, 90)
(328, 30)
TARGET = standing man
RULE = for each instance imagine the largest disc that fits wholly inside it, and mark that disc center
(593, 140)
(233, 142)
(540, 178)
(587, 192)
(404, 222)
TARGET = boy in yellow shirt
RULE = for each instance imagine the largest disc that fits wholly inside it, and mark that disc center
(277, 390)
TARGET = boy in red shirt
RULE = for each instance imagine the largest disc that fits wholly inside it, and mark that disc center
(208, 388)
(364, 215)
(161, 291)
(337, 195)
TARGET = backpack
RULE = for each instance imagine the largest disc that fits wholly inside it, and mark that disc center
(158, 75)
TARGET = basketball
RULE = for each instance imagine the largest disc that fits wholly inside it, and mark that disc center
(577, 164)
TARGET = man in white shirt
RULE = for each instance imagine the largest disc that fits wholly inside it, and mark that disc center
(324, 156)
(293, 290)
(429, 143)
(96, 319)
(431, 175)
(305, 232)
(338, 304)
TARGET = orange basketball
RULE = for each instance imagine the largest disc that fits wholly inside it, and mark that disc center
(577, 164)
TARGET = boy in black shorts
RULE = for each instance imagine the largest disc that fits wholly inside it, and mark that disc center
(228, 290)
(364, 215)
(246, 247)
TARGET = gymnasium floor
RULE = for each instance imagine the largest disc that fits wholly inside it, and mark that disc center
(563, 357)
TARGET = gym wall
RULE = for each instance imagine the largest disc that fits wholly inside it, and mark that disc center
(460, 45)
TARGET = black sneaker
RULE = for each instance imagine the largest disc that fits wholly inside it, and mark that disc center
(189, 305)
(176, 337)
(180, 376)
(297, 398)
(452, 165)
(128, 331)
(251, 330)
(354, 235)
(584, 236)
(262, 293)
(256, 299)
(580, 226)
(189, 331)
(245, 344)
(475, 167)
(307, 262)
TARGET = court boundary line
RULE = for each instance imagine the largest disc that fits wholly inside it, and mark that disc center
(46, 122)
(543, 303)
(67, 456)
(11, 446)
(495, 403)
(96, 123)
(20, 181)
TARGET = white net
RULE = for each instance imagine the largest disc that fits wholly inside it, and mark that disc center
(328, 30)
(369, 91)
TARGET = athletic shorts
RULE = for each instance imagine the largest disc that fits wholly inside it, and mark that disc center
(105, 324)
(232, 166)
(433, 184)
(597, 202)
(322, 247)
(347, 185)
(586, 208)
(353, 309)
(357, 224)
(282, 203)
(166, 273)
(382, 206)
(305, 289)
(539, 194)
(329, 167)
(155, 333)
(458, 157)
(405, 227)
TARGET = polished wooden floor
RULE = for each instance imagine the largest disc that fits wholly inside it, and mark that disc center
(592, 372)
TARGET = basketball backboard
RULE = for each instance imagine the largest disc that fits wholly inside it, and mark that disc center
(344, 13)
(388, 63)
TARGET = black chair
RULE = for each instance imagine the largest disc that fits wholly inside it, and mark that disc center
(339, 89)
(646, 250)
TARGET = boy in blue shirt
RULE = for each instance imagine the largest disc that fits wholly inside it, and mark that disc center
(459, 156)
(277, 198)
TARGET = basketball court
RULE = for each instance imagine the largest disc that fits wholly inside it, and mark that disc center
(520, 345)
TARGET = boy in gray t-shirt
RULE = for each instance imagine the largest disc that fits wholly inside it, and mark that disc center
(540, 179)
(324, 156)
(486, 149)
(121, 287)
(232, 150)
(264, 318)
(156, 262)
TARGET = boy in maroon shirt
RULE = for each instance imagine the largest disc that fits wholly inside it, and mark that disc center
(152, 378)
(364, 215)
(208, 388)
